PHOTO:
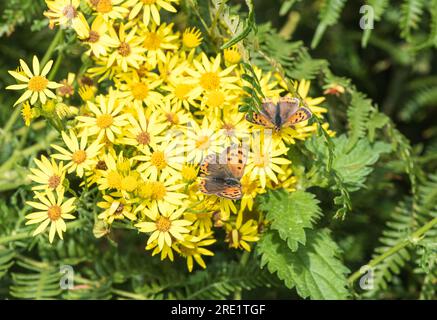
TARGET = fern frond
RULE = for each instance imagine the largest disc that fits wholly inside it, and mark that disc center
(6, 260)
(411, 13)
(379, 7)
(328, 16)
(358, 116)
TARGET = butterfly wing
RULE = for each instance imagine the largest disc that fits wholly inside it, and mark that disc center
(300, 115)
(266, 116)
(287, 107)
(233, 193)
(236, 158)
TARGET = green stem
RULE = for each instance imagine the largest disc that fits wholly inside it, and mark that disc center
(243, 261)
(58, 37)
(56, 66)
(413, 238)
(8, 126)
(129, 295)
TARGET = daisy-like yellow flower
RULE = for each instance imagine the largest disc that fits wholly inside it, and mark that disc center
(232, 55)
(234, 127)
(172, 68)
(143, 132)
(194, 250)
(208, 76)
(191, 38)
(166, 251)
(67, 89)
(287, 180)
(161, 195)
(116, 208)
(239, 235)
(270, 87)
(166, 159)
(80, 157)
(157, 40)
(106, 120)
(202, 219)
(49, 174)
(141, 91)
(165, 226)
(65, 13)
(150, 8)
(266, 158)
(110, 9)
(251, 189)
(202, 140)
(182, 94)
(52, 210)
(27, 113)
(128, 51)
(173, 114)
(35, 83)
(303, 88)
(97, 38)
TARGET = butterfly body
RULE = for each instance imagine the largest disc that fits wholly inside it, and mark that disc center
(285, 113)
(221, 173)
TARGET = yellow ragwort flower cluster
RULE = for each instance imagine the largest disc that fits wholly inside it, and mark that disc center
(154, 105)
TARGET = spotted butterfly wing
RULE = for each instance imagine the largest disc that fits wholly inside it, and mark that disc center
(300, 115)
(287, 106)
(266, 115)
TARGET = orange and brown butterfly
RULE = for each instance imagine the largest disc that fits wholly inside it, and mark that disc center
(221, 173)
(284, 113)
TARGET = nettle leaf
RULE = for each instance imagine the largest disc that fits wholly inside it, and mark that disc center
(291, 214)
(353, 166)
(314, 269)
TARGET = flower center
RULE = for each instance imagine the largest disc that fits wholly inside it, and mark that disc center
(232, 55)
(143, 138)
(69, 12)
(158, 190)
(144, 190)
(66, 90)
(54, 181)
(93, 37)
(54, 212)
(210, 81)
(114, 180)
(79, 156)
(215, 99)
(152, 41)
(37, 83)
(188, 172)
(124, 49)
(163, 224)
(129, 183)
(104, 6)
(181, 91)
(172, 117)
(202, 143)
(158, 160)
(190, 40)
(104, 121)
(148, 1)
(101, 165)
(140, 91)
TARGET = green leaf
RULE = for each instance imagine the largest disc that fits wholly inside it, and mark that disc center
(358, 115)
(329, 15)
(291, 214)
(314, 269)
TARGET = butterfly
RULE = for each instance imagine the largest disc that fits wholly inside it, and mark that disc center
(221, 173)
(285, 113)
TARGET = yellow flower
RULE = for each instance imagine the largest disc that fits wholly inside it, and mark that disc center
(207, 75)
(143, 132)
(265, 159)
(150, 8)
(182, 94)
(192, 38)
(52, 211)
(49, 174)
(251, 189)
(232, 55)
(106, 120)
(116, 208)
(164, 227)
(128, 51)
(67, 89)
(286, 180)
(303, 88)
(27, 113)
(80, 157)
(166, 159)
(202, 140)
(240, 234)
(157, 40)
(35, 83)
(97, 38)
(161, 195)
(66, 14)
(110, 9)
(194, 249)
(174, 115)
(139, 90)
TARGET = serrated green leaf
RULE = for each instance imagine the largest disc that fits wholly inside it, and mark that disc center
(314, 269)
(291, 214)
